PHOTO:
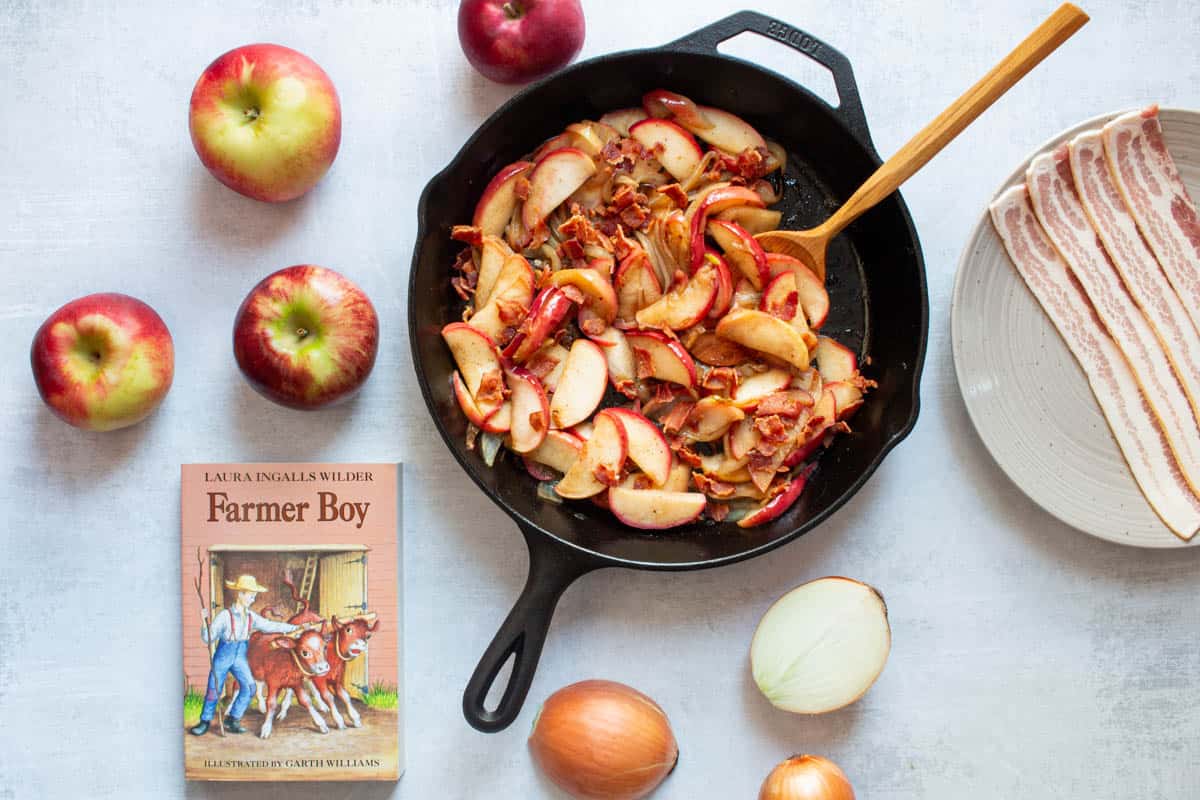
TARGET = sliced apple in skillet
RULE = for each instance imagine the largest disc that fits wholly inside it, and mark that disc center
(600, 461)
(622, 365)
(673, 146)
(530, 416)
(760, 331)
(510, 300)
(655, 509)
(835, 361)
(581, 386)
(741, 250)
(813, 297)
(647, 446)
(623, 119)
(636, 285)
(499, 199)
(555, 177)
(662, 357)
(686, 304)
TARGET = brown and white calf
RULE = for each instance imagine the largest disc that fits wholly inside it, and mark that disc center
(346, 641)
(284, 661)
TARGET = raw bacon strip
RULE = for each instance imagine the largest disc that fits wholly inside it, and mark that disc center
(1052, 192)
(1146, 175)
(1142, 275)
(1141, 441)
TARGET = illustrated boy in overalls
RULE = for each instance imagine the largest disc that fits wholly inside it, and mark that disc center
(231, 629)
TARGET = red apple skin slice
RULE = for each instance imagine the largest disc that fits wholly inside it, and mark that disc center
(727, 132)
(622, 365)
(492, 254)
(824, 416)
(724, 297)
(679, 153)
(530, 410)
(581, 386)
(813, 297)
(847, 396)
(600, 296)
(499, 199)
(753, 389)
(835, 361)
(742, 250)
(754, 220)
(780, 503)
(648, 447)
(550, 145)
(714, 202)
(710, 418)
(780, 297)
(686, 304)
(741, 438)
(623, 119)
(661, 104)
(549, 310)
(514, 289)
(760, 331)
(600, 461)
(667, 359)
(636, 285)
(558, 451)
(474, 352)
(654, 509)
(466, 402)
(554, 178)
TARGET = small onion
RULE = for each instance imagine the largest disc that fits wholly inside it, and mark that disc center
(821, 646)
(600, 740)
(806, 778)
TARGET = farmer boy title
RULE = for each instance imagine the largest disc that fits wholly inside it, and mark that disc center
(325, 507)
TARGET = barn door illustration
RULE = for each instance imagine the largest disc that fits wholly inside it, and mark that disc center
(216, 589)
(342, 591)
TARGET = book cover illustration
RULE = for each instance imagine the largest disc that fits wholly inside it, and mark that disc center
(291, 622)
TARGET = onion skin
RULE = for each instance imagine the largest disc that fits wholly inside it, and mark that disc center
(806, 778)
(601, 740)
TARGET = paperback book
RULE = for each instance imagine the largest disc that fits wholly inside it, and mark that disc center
(291, 622)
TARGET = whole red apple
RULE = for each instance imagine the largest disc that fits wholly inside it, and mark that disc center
(103, 362)
(306, 337)
(266, 121)
(520, 40)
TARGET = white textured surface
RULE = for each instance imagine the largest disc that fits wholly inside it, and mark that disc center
(1029, 660)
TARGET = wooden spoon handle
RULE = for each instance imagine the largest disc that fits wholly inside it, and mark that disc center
(1057, 28)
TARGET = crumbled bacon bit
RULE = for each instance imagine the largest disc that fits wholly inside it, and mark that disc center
(713, 487)
(492, 390)
(510, 311)
(635, 216)
(664, 395)
(717, 512)
(468, 234)
(522, 187)
(606, 475)
(537, 421)
(720, 380)
(645, 366)
(785, 403)
(571, 248)
(674, 420)
(772, 428)
(541, 364)
(642, 481)
(464, 262)
(675, 193)
(622, 246)
(590, 324)
(573, 293)
(464, 287)
(690, 457)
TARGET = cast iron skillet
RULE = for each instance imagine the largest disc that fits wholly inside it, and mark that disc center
(876, 284)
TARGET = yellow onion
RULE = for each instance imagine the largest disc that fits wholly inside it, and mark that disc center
(806, 778)
(600, 740)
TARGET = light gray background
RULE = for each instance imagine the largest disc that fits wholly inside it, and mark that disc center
(1029, 659)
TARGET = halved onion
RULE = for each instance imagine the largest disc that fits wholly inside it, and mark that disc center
(821, 646)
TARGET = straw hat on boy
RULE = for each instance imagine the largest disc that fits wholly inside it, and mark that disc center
(245, 583)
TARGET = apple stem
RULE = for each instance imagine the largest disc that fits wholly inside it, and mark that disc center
(513, 9)
(301, 333)
(251, 114)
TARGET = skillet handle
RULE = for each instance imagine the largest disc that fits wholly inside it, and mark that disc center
(849, 102)
(552, 568)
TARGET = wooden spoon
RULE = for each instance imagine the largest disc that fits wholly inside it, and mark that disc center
(809, 246)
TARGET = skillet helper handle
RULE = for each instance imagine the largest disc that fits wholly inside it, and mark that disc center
(1044, 40)
(849, 102)
(552, 568)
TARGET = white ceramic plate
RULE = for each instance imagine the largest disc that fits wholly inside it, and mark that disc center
(1024, 390)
